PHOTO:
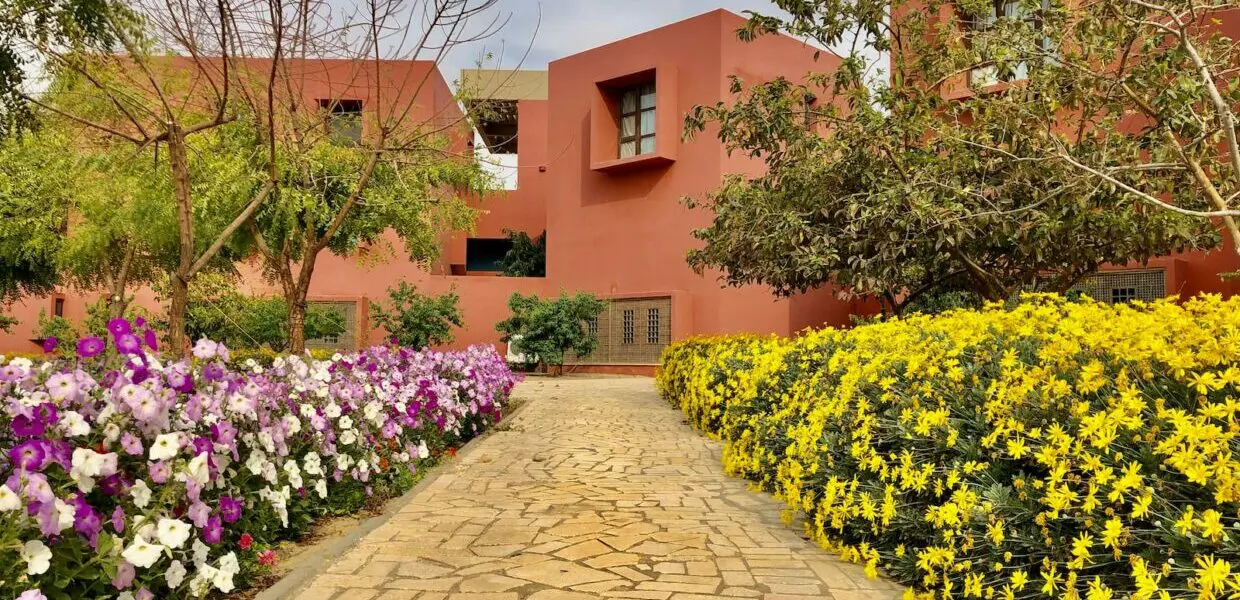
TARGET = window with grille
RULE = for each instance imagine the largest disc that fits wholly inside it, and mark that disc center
(592, 326)
(652, 326)
(1124, 286)
(637, 120)
(629, 326)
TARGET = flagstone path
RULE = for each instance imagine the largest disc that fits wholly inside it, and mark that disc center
(595, 489)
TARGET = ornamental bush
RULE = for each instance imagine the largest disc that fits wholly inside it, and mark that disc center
(1046, 449)
(126, 476)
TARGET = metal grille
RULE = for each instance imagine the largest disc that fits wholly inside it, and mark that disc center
(592, 326)
(623, 340)
(1124, 286)
(347, 339)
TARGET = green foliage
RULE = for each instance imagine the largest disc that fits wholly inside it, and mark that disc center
(78, 24)
(943, 301)
(898, 185)
(418, 320)
(36, 189)
(219, 312)
(58, 327)
(527, 257)
(545, 329)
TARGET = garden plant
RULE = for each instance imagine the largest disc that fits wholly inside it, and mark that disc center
(1049, 449)
(125, 475)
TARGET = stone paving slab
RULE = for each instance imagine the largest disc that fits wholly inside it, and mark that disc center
(597, 489)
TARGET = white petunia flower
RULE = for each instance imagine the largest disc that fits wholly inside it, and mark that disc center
(201, 583)
(166, 446)
(142, 554)
(347, 437)
(200, 552)
(73, 424)
(345, 422)
(38, 557)
(141, 494)
(198, 469)
(172, 533)
(332, 410)
(175, 574)
(65, 513)
(321, 488)
(423, 451)
(9, 501)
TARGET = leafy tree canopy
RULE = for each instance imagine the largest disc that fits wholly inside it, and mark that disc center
(418, 320)
(527, 257)
(928, 176)
(544, 329)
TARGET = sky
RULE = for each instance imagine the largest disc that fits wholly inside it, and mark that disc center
(552, 29)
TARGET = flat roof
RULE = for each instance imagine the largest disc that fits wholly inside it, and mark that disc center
(504, 84)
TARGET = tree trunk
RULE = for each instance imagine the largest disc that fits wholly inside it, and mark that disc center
(297, 325)
(117, 303)
(178, 160)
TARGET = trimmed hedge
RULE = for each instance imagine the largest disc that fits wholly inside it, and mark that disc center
(1048, 449)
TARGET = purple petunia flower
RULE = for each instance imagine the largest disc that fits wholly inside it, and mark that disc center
(49, 344)
(124, 575)
(90, 347)
(30, 455)
(152, 341)
(118, 520)
(230, 509)
(160, 471)
(131, 443)
(25, 427)
(34, 594)
(118, 326)
(127, 343)
(181, 381)
(214, 530)
(213, 372)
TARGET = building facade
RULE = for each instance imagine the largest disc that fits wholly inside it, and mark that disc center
(591, 152)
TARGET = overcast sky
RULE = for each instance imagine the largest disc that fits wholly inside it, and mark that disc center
(558, 28)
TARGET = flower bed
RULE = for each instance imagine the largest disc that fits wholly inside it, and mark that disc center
(126, 476)
(1051, 449)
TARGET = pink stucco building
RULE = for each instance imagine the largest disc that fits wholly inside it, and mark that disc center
(598, 163)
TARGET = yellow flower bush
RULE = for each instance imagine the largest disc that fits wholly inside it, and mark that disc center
(1051, 449)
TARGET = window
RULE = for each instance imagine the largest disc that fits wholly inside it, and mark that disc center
(486, 255)
(58, 307)
(630, 326)
(497, 124)
(344, 120)
(1120, 295)
(1006, 9)
(637, 120)
(592, 326)
(652, 326)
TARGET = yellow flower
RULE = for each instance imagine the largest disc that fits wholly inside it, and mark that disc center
(1111, 532)
(1211, 525)
(1019, 579)
(1211, 575)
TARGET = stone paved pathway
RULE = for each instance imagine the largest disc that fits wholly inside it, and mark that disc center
(596, 489)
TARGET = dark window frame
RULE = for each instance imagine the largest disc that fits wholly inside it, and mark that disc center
(653, 325)
(343, 119)
(629, 327)
(638, 90)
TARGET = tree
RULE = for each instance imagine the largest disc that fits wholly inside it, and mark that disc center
(545, 329)
(347, 172)
(419, 320)
(527, 257)
(35, 188)
(899, 186)
(79, 24)
(219, 312)
(158, 105)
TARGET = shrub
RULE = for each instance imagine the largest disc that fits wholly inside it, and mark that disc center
(124, 474)
(419, 320)
(546, 329)
(217, 311)
(1045, 449)
(527, 257)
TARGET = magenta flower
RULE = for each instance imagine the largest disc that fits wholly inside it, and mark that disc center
(127, 343)
(90, 347)
(30, 455)
(214, 530)
(49, 344)
(118, 520)
(152, 341)
(118, 326)
(230, 509)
